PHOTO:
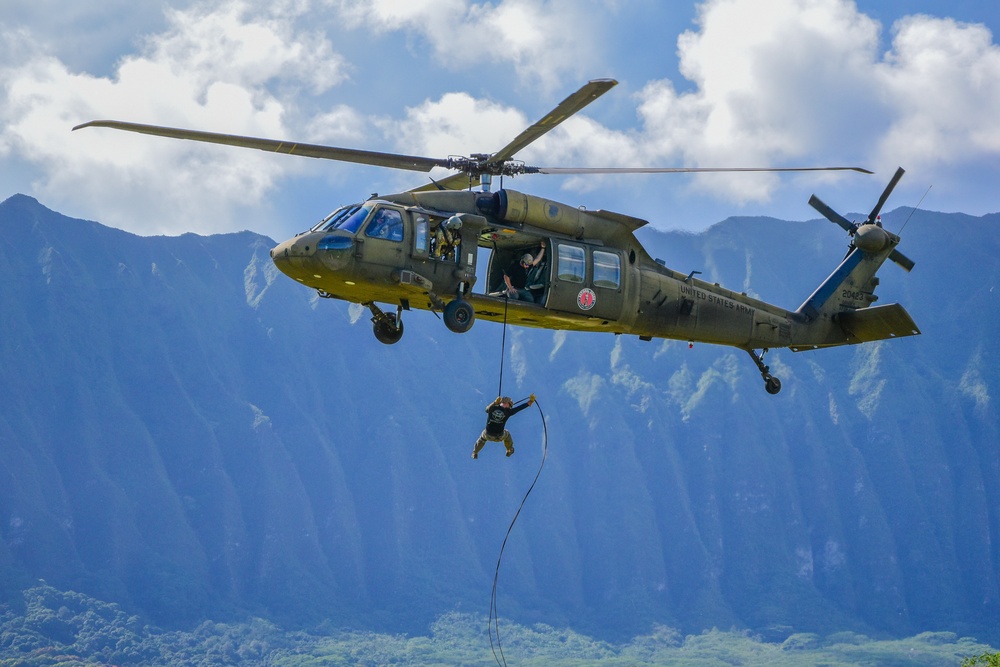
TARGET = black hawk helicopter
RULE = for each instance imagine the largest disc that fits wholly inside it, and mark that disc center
(419, 249)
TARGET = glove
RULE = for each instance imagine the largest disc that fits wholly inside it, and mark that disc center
(531, 399)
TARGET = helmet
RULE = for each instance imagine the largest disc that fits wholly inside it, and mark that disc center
(506, 399)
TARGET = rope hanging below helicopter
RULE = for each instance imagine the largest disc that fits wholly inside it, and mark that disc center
(493, 624)
(503, 345)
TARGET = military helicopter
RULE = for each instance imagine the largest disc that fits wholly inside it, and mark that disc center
(420, 250)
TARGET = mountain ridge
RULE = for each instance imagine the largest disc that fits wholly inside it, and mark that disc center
(188, 434)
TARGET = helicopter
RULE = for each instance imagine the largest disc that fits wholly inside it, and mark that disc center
(584, 270)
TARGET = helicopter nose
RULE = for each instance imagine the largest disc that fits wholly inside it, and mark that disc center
(292, 255)
(313, 258)
(303, 245)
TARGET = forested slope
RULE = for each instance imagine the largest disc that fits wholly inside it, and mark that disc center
(188, 434)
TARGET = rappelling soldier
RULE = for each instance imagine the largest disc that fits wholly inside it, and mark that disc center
(498, 412)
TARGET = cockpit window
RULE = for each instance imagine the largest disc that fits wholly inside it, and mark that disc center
(387, 223)
(347, 218)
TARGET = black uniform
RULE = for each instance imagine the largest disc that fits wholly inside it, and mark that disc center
(496, 430)
(518, 275)
(498, 415)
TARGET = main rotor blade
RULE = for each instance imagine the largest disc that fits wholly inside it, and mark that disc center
(831, 215)
(677, 170)
(885, 194)
(462, 181)
(569, 106)
(392, 160)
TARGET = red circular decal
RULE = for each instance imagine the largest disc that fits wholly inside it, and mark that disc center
(586, 299)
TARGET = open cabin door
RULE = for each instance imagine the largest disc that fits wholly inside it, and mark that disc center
(574, 278)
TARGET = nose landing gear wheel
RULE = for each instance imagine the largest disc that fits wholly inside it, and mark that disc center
(388, 328)
(388, 331)
(772, 384)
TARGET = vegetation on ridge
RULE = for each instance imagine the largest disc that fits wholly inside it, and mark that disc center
(65, 628)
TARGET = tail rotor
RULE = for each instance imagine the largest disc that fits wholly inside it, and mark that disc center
(867, 235)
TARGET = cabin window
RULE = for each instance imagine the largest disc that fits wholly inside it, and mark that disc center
(387, 223)
(572, 263)
(421, 233)
(607, 270)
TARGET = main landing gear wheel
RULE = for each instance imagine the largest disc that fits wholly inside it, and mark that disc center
(387, 331)
(772, 385)
(388, 328)
(459, 315)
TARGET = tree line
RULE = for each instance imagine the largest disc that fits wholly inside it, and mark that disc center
(55, 627)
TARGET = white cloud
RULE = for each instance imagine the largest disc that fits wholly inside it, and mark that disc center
(775, 84)
(542, 39)
(782, 82)
(457, 124)
(232, 42)
(942, 85)
(210, 70)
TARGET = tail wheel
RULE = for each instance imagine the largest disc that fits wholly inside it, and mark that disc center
(459, 315)
(771, 384)
(387, 330)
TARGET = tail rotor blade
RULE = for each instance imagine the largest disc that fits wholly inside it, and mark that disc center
(885, 195)
(905, 262)
(832, 215)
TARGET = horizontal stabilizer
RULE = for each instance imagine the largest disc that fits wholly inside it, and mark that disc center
(877, 323)
(870, 324)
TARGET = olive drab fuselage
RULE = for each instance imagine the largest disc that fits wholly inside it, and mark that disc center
(595, 276)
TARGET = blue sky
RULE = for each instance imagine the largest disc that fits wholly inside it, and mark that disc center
(719, 83)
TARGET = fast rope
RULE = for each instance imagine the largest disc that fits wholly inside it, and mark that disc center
(503, 344)
(494, 620)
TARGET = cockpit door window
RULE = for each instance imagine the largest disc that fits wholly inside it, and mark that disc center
(387, 223)
(421, 235)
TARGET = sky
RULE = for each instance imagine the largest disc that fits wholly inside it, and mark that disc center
(719, 83)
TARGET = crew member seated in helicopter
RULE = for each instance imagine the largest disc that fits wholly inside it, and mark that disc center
(516, 276)
(447, 238)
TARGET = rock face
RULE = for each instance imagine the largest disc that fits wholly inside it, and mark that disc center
(187, 433)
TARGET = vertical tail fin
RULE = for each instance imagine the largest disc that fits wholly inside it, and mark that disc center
(850, 287)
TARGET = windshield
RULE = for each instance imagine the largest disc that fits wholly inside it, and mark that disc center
(347, 218)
